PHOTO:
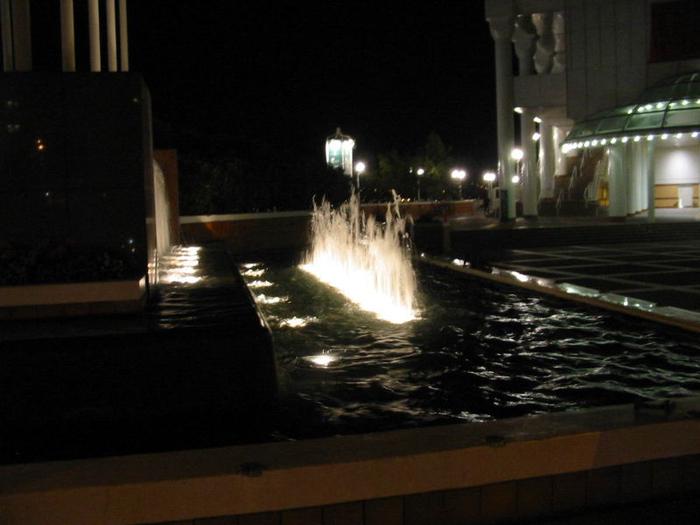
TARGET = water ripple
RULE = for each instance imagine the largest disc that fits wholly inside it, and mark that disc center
(478, 352)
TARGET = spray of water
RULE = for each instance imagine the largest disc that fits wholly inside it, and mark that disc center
(364, 260)
(162, 210)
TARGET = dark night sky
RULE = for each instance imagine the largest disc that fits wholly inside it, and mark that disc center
(281, 76)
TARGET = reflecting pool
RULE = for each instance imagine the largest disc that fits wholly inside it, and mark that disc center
(477, 352)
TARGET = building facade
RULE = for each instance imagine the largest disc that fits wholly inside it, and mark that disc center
(578, 63)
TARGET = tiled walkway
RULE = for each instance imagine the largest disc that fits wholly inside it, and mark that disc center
(666, 273)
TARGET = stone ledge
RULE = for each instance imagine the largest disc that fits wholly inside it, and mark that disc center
(71, 299)
(275, 477)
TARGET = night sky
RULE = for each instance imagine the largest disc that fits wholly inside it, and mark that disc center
(276, 78)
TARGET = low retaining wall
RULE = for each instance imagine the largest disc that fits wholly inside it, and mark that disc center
(249, 232)
(520, 468)
(289, 231)
(71, 299)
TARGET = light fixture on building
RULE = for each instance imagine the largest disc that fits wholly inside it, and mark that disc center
(518, 110)
(537, 120)
(515, 179)
(535, 136)
(664, 136)
(517, 154)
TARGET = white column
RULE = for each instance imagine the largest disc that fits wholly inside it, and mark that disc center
(123, 37)
(530, 182)
(502, 33)
(67, 35)
(651, 183)
(642, 179)
(631, 172)
(94, 24)
(8, 58)
(22, 34)
(559, 134)
(547, 159)
(111, 21)
(617, 181)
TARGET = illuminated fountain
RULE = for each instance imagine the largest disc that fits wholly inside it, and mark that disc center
(180, 266)
(162, 210)
(366, 261)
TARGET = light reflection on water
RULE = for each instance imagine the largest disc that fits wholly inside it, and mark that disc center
(478, 352)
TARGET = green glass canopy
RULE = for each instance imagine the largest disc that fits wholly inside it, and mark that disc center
(670, 107)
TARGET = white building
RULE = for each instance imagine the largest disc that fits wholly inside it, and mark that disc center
(616, 78)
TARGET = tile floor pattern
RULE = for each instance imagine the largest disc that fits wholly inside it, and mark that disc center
(666, 273)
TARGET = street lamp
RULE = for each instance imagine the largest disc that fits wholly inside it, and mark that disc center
(490, 177)
(420, 172)
(459, 175)
(360, 168)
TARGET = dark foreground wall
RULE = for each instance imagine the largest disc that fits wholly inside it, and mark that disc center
(196, 369)
(75, 175)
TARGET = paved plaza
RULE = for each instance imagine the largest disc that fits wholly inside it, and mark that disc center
(665, 273)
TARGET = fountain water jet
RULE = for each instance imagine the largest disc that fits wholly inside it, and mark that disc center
(162, 210)
(366, 261)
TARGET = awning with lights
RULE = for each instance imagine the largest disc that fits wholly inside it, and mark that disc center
(670, 108)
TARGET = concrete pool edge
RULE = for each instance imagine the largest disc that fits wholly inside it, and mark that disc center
(515, 458)
(531, 284)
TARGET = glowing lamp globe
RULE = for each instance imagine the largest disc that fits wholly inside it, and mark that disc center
(458, 174)
(339, 150)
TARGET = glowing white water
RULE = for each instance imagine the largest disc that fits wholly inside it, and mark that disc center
(367, 262)
(162, 210)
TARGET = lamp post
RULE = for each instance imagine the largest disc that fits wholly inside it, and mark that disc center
(360, 168)
(490, 177)
(517, 155)
(459, 175)
(419, 172)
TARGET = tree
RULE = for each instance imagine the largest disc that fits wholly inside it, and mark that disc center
(437, 163)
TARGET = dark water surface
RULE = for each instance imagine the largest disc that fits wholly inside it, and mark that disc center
(478, 352)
